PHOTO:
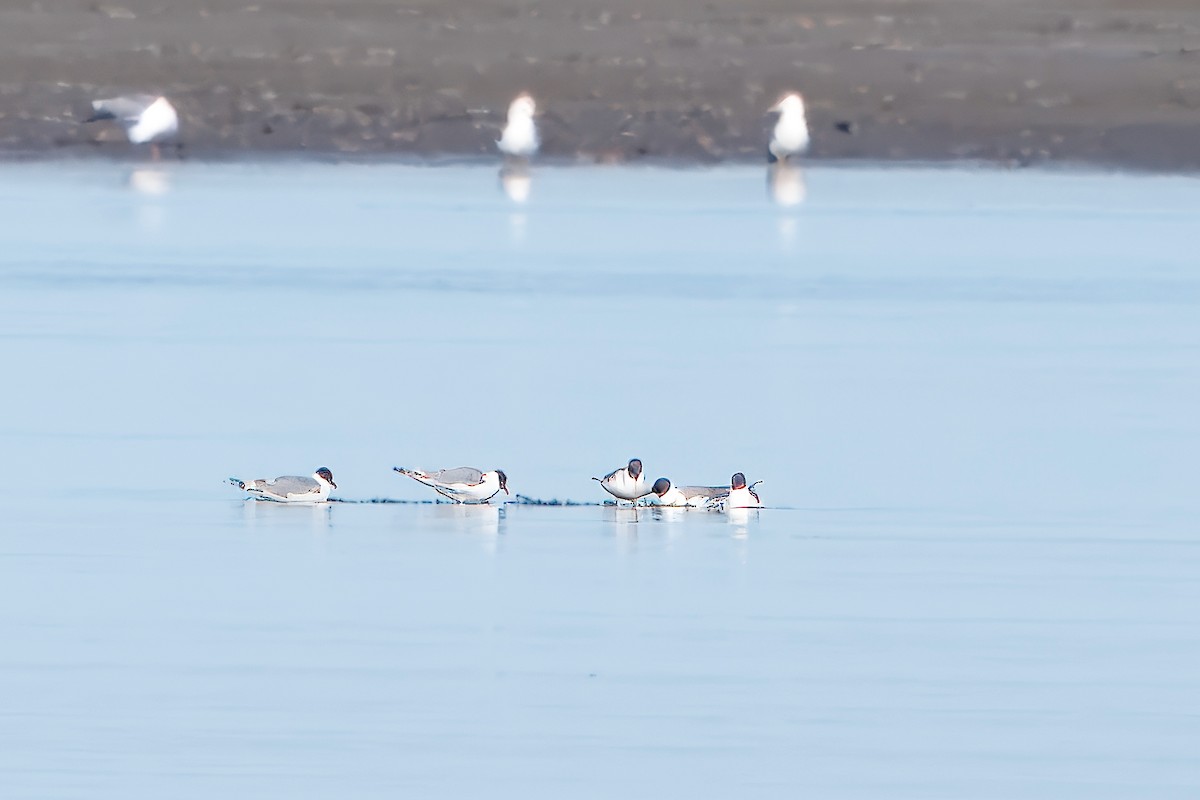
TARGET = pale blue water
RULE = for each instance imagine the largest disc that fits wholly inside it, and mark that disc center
(971, 397)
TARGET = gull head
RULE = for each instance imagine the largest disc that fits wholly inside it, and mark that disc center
(738, 481)
(790, 104)
(323, 474)
(503, 480)
(635, 468)
(661, 486)
(522, 107)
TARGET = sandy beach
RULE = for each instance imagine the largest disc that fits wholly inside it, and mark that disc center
(1094, 82)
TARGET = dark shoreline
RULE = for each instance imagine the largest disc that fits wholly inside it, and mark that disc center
(1084, 84)
(136, 158)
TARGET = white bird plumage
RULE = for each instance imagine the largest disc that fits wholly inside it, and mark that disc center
(741, 495)
(145, 117)
(290, 488)
(520, 136)
(790, 137)
(461, 484)
(688, 496)
(627, 483)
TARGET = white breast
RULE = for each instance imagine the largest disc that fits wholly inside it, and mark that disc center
(622, 486)
(672, 497)
(791, 134)
(742, 498)
(464, 492)
(520, 137)
(156, 123)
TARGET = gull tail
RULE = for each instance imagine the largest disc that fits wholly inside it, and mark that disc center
(99, 114)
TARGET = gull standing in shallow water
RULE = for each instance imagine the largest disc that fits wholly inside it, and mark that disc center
(626, 483)
(145, 117)
(790, 137)
(461, 484)
(520, 137)
(741, 495)
(291, 488)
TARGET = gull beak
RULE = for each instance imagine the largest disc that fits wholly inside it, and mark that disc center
(506, 490)
(334, 485)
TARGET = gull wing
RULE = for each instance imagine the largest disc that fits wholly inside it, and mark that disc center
(467, 475)
(286, 485)
(126, 107)
(610, 475)
(704, 491)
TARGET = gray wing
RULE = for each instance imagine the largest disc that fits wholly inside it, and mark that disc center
(288, 484)
(614, 472)
(127, 107)
(468, 475)
(704, 491)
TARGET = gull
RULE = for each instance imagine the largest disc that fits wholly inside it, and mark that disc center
(790, 137)
(667, 494)
(145, 117)
(626, 483)
(741, 495)
(520, 137)
(291, 488)
(461, 484)
(689, 496)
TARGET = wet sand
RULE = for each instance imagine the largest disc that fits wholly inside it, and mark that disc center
(1095, 82)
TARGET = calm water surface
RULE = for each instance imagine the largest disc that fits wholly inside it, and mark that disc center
(971, 395)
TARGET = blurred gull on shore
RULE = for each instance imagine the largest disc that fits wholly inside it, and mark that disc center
(790, 137)
(146, 118)
(520, 136)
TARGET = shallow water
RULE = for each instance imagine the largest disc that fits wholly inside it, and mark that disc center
(971, 397)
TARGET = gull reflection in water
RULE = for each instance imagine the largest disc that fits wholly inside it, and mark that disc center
(668, 513)
(785, 184)
(473, 519)
(740, 519)
(516, 183)
(149, 181)
(624, 520)
(267, 513)
(786, 188)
